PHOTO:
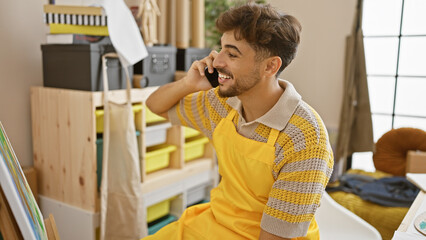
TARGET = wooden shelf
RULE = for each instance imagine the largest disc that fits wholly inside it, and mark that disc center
(162, 178)
(65, 151)
(64, 141)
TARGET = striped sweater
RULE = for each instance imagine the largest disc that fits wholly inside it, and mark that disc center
(303, 156)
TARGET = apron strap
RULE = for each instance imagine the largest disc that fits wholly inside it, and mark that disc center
(106, 139)
(231, 115)
(273, 135)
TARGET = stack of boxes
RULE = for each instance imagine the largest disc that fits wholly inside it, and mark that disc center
(76, 40)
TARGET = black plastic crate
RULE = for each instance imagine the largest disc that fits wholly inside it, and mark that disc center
(186, 56)
(159, 67)
(79, 66)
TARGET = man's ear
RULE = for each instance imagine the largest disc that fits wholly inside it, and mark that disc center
(272, 65)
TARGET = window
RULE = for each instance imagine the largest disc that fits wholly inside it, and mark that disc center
(395, 52)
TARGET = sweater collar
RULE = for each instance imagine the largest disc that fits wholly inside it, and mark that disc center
(279, 115)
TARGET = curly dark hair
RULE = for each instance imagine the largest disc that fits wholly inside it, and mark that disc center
(268, 31)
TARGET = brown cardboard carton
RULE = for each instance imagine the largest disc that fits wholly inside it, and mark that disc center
(416, 162)
(31, 176)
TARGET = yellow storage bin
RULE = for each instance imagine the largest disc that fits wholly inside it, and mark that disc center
(195, 148)
(151, 117)
(100, 117)
(190, 132)
(158, 210)
(158, 157)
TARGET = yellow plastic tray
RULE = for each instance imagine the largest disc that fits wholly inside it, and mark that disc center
(194, 149)
(190, 132)
(151, 117)
(158, 210)
(100, 117)
(158, 157)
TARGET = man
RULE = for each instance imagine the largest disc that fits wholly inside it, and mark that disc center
(273, 150)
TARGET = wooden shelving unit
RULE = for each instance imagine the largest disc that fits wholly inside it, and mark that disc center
(65, 156)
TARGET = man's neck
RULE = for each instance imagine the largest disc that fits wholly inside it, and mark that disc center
(260, 99)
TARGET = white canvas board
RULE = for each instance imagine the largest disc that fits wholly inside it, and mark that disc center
(18, 193)
(418, 179)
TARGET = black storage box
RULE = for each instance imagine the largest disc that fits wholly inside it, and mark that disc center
(186, 56)
(159, 67)
(79, 66)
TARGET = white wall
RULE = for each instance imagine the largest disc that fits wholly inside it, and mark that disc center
(22, 31)
(318, 69)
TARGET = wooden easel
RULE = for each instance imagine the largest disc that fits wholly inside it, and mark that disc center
(9, 228)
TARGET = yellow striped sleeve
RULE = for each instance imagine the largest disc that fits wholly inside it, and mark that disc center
(303, 166)
(290, 217)
(200, 110)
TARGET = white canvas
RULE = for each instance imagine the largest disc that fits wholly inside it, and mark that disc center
(18, 193)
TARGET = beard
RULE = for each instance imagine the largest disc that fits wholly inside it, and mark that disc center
(241, 84)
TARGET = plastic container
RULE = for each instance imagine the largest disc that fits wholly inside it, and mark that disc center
(158, 210)
(100, 117)
(158, 157)
(151, 117)
(78, 66)
(196, 194)
(186, 56)
(156, 225)
(158, 68)
(99, 156)
(156, 134)
(195, 148)
(190, 132)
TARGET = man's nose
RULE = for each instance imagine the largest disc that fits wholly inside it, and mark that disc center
(218, 61)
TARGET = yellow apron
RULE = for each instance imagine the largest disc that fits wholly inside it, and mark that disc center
(237, 204)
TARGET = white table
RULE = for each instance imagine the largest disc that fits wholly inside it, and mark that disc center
(406, 230)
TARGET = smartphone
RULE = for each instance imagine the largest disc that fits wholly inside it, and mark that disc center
(212, 77)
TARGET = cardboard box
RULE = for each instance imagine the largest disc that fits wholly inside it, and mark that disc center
(179, 75)
(31, 176)
(72, 222)
(416, 162)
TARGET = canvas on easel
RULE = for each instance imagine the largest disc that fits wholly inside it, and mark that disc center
(18, 205)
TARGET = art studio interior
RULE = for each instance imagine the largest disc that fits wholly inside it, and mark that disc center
(111, 126)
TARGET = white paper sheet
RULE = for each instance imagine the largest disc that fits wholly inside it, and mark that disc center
(124, 32)
(422, 208)
(407, 236)
(412, 232)
(418, 179)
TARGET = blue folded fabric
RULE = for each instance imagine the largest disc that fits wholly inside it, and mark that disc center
(388, 191)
